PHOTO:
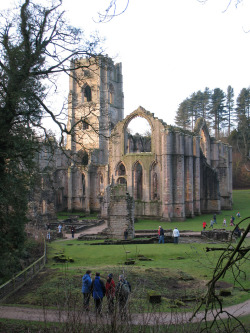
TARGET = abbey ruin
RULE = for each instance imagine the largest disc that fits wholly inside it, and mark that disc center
(171, 173)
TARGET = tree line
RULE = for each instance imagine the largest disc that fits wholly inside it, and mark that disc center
(222, 113)
(227, 118)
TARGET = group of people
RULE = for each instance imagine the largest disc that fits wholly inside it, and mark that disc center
(224, 223)
(99, 290)
(176, 235)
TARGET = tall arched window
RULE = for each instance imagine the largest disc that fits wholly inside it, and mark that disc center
(86, 94)
(121, 170)
(138, 181)
(154, 182)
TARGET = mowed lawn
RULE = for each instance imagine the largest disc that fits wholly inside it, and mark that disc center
(241, 203)
(171, 258)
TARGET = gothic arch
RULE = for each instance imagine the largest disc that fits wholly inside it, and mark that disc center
(154, 181)
(138, 181)
(121, 180)
(120, 169)
(137, 143)
(86, 93)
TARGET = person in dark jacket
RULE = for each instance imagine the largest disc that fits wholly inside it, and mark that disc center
(110, 293)
(98, 292)
(86, 289)
(161, 239)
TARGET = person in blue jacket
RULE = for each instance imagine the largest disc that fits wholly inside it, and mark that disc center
(86, 289)
(98, 292)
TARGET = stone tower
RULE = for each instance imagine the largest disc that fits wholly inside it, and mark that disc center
(95, 107)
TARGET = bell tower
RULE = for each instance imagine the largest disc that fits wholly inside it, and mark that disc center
(95, 106)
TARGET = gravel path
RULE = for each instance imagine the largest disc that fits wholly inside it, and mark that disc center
(150, 319)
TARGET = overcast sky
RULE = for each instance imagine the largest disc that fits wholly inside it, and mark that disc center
(172, 48)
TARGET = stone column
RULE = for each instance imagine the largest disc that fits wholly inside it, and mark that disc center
(197, 174)
(179, 179)
(167, 176)
(189, 180)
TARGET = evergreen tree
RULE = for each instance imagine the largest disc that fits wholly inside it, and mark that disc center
(243, 114)
(182, 118)
(229, 108)
(217, 111)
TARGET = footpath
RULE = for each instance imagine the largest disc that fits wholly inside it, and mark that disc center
(149, 319)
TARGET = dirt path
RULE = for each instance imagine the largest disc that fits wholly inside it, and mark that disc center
(90, 231)
(29, 314)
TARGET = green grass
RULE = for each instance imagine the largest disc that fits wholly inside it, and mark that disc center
(241, 203)
(169, 263)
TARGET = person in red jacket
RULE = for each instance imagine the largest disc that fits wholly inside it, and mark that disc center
(204, 224)
(110, 293)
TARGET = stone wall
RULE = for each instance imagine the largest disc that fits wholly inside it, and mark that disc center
(118, 210)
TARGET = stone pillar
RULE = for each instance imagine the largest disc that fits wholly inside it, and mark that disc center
(70, 185)
(196, 177)
(189, 180)
(119, 209)
(178, 177)
(167, 176)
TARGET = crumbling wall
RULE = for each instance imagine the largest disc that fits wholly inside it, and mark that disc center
(118, 209)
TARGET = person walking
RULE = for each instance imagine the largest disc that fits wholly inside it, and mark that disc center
(215, 222)
(98, 292)
(224, 223)
(161, 238)
(204, 225)
(122, 292)
(73, 231)
(59, 228)
(110, 293)
(211, 224)
(176, 235)
(86, 289)
(232, 221)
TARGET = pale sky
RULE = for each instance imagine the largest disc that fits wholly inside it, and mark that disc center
(171, 48)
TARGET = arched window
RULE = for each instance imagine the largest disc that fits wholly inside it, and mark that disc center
(154, 182)
(86, 94)
(138, 136)
(121, 170)
(138, 181)
(122, 181)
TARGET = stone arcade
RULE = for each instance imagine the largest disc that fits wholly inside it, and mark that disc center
(171, 173)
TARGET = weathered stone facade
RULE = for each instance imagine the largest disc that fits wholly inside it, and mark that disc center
(118, 209)
(171, 174)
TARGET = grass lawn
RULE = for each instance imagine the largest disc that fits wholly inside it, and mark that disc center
(241, 203)
(175, 271)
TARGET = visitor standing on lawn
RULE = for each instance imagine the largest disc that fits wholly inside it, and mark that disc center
(122, 292)
(110, 293)
(176, 235)
(86, 289)
(98, 290)
(161, 239)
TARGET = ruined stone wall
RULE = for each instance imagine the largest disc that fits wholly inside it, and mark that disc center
(118, 209)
